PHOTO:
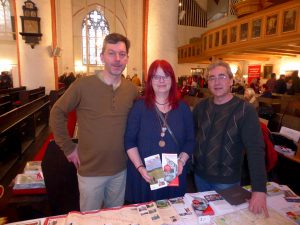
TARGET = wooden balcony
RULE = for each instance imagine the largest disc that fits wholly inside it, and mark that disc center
(246, 7)
(274, 31)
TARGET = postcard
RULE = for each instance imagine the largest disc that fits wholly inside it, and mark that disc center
(154, 169)
(170, 168)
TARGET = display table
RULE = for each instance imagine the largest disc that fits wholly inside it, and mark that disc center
(182, 211)
(26, 204)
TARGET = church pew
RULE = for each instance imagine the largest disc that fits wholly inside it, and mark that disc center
(54, 95)
(5, 104)
(12, 90)
(14, 94)
(29, 95)
(19, 128)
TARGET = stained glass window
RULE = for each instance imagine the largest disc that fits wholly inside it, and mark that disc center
(94, 30)
(6, 28)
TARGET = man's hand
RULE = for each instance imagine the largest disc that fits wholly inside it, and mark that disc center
(73, 157)
(258, 203)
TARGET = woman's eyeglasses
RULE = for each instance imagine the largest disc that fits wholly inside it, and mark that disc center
(159, 78)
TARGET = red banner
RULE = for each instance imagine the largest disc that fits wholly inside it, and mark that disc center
(253, 72)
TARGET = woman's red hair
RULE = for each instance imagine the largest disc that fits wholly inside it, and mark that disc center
(149, 92)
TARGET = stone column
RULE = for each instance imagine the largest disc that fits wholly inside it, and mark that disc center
(162, 31)
(64, 25)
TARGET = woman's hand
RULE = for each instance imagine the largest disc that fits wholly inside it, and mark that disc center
(144, 174)
(180, 167)
(182, 159)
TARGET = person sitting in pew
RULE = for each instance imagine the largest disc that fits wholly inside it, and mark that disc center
(249, 96)
(5, 80)
(266, 93)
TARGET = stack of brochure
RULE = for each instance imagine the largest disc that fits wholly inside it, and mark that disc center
(31, 178)
(29, 181)
(284, 150)
(33, 167)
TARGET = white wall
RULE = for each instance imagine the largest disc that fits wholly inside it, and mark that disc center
(37, 68)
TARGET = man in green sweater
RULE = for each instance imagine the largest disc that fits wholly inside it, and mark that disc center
(102, 102)
(226, 127)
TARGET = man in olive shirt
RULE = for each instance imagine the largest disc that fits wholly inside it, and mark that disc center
(102, 102)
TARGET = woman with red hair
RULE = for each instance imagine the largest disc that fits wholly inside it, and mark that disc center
(158, 123)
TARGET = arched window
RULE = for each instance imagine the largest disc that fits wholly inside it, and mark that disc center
(5, 21)
(94, 30)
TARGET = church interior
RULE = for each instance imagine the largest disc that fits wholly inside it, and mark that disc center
(47, 44)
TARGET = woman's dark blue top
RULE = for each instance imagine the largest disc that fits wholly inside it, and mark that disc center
(143, 131)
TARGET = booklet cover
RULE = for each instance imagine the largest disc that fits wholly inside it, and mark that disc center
(235, 195)
(200, 204)
(154, 169)
(170, 168)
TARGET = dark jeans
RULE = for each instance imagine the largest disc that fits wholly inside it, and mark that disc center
(203, 185)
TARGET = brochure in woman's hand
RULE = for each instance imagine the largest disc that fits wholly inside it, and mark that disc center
(170, 168)
(154, 169)
(163, 172)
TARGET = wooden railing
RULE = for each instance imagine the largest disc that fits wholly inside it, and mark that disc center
(267, 28)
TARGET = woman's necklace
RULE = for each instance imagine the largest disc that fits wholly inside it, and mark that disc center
(163, 125)
(158, 103)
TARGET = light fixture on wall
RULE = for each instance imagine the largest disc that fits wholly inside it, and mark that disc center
(31, 29)
(54, 52)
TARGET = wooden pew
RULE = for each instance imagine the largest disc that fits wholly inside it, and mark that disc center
(5, 104)
(12, 90)
(29, 95)
(19, 128)
(274, 103)
(14, 95)
(288, 115)
(55, 94)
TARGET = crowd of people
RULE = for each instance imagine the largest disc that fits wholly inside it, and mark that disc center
(66, 79)
(189, 85)
(116, 123)
(289, 85)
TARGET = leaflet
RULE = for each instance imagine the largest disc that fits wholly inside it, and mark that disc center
(170, 168)
(154, 169)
